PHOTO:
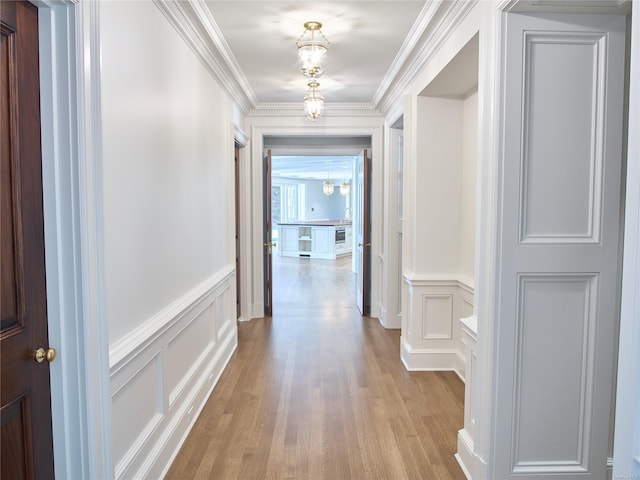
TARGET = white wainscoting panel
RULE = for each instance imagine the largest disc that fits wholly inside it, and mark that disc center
(431, 333)
(142, 388)
(553, 374)
(565, 207)
(437, 316)
(187, 349)
(466, 454)
(162, 374)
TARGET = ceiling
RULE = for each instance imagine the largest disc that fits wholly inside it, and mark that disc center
(317, 167)
(365, 37)
(370, 45)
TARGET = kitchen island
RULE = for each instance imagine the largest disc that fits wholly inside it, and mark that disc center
(326, 239)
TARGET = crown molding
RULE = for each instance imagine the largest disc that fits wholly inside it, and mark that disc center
(410, 43)
(330, 110)
(433, 28)
(194, 22)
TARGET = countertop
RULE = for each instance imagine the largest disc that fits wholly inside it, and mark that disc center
(319, 223)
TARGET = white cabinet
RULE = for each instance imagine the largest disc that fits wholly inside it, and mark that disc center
(322, 242)
(315, 241)
(288, 239)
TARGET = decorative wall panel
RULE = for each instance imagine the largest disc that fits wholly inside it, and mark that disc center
(162, 374)
(437, 317)
(554, 370)
(185, 349)
(131, 425)
(431, 334)
(562, 151)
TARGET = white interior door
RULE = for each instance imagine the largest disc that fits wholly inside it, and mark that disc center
(559, 245)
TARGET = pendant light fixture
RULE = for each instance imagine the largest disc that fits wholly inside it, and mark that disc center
(313, 101)
(312, 49)
(327, 187)
(345, 187)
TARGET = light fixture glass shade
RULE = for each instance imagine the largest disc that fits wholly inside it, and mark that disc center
(313, 102)
(327, 187)
(344, 188)
(312, 49)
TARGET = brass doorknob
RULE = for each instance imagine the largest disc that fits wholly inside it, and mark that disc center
(49, 355)
(365, 244)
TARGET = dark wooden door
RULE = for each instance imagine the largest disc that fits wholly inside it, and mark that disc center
(237, 209)
(26, 435)
(363, 233)
(268, 237)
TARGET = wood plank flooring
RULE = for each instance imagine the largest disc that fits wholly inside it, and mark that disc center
(319, 392)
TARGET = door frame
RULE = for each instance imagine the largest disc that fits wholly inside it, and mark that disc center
(366, 126)
(70, 119)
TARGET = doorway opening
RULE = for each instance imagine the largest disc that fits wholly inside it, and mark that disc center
(312, 229)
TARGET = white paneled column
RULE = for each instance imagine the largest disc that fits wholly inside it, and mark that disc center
(558, 245)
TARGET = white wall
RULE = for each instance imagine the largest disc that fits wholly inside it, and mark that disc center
(321, 206)
(165, 148)
(167, 205)
(440, 198)
(438, 186)
(468, 186)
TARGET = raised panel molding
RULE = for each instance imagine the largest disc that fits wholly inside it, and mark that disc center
(561, 180)
(163, 373)
(437, 317)
(140, 338)
(132, 426)
(431, 334)
(555, 355)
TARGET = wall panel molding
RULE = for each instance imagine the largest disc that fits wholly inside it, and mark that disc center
(164, 372)
(437, 316)
(563, 212)
(147, 332)
(554, 373)
(431, 332)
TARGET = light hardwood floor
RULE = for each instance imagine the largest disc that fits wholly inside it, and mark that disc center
(319, 392)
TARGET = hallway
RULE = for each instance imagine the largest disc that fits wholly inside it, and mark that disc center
(319, 392)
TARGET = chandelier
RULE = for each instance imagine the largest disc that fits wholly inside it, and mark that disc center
(313, 102)
(344, 188)
(312, 49)
(327, 187)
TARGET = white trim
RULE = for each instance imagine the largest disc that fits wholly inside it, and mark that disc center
(487, 246)
(436, 28)
(626, 452)
(431, 360)
(147, 333)
(175, 399)
(254, 251)
(196, 25)
(58, 92)
(465, 455)
(330, 110)
(96, 339)
(445, 280)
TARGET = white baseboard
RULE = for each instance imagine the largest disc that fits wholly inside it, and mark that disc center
(465, 455)
(431, 360)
